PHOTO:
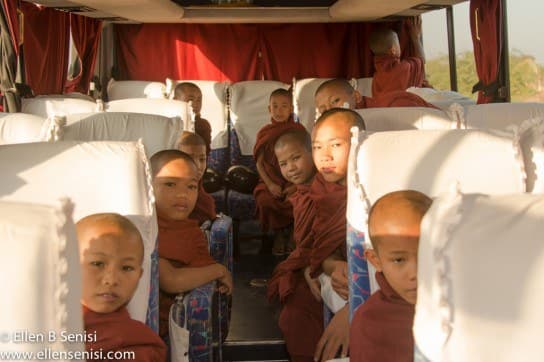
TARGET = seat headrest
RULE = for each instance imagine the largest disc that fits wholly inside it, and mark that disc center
(397, 119)
(22, 128)
(135, 89)
(48, 106)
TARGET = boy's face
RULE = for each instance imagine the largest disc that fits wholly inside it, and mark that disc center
(111, 266)
(335, 96)
(176, 190)
(192, 94)
(295, 162)
(198, 154)
(330, 145)
(280, 108)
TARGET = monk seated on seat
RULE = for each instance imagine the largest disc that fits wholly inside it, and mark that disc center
(331, 143)
(339, 93)
(190, 92)
(301, 316)
(393, 73)
(381, 329)
(111, 253)
(184, 260)
(195, 146)
(272, 206)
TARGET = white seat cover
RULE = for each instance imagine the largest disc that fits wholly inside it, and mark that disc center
(40, 276)
(480, 277)
(97, 176)
(364, 86)
(442, 99)
(304, 100)
(22, 128)
(249, 109)
(161, 107)
(157, 132)
(405, 118)
(501, 115)
(214, 107)
(55, 105)
(135, 89)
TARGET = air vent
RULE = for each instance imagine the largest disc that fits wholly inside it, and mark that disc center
(428, 7)
(76, 9)
(112, 19)
(259, 3)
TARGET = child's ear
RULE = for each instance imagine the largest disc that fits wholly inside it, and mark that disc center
(269, 109)
(372, 257)
(141, 273)
(358, 97)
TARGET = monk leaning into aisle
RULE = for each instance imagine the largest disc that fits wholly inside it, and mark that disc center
(184, 260)
(331, 143)
(273, 209)
(393, 73)
(339, 93)
(195, 146)
(111, 254)
(301, 317)
(381, 329)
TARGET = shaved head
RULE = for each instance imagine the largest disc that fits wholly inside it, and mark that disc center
(349, 116)
(161, 158)
(182, 88)
(297, 136)
(190, 139)
(337, 83)
(397, 213)
(381, 41)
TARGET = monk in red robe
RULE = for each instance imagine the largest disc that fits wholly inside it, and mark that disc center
(111, 253)
(339, 93)
(273, 209)
(184, 260)
(381, 329)
(301, 317)
(190, 92)
(193, 145)
(391, 72)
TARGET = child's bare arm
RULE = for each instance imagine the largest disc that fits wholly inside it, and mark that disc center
(177, 280)
(329, 265)
(416, 38)
(274, 188)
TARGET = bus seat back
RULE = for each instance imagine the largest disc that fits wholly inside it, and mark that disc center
(160, 107)
(135, 89)
(364, 86)
(98, 177)
(304, 100)
(48, 106)
(398, 119)
(22, 128)
(480, 276)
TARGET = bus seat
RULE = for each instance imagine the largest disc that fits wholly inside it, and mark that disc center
(135, 89)
(160, 107)
(364, 86)
(304, 100)
(429, 161)
(480, 270)
(41, 278)
(442, 99)
(22, 128)
(98, 177)
(398, 119)
(157, 132)
(47, 106)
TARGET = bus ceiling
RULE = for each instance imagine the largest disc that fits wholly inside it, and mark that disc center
(246, 11)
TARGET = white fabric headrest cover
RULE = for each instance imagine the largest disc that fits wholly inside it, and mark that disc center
(480, 277)
(157, 132)
(161, 107)
(364, 86)
(441, 98)
(405, 118)
(249, 109)
(50, 106)
(135, 89)
(40, 276)
(304, 97)
(97, 176)
(501, 115)
(22, 128)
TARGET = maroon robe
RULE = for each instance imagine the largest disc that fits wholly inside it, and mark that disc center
(272, 213)
(301, 317)
(204, 130)
(184, 244)
(116, 331)
(394, 99)
(204, 207)
(393, 74)
(381, 329)
(330, 200)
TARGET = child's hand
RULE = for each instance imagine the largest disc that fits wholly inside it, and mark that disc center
(339, 280)
(289, 190)
(275, 190)
(315, 287)
(415, 24)
(225, 283)
(335, 337)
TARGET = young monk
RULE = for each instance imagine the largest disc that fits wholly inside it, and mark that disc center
(331, 143)
(111, 254)
(273, 209)
(381, 329)
(339, 93)
(193, 145)
(184, 260)
(190, 92)
(301, 317)
(391, 72)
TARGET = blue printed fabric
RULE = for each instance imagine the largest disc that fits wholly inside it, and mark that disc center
(236, 157)
(219, 197)
(152, 317)
(357, 269)
(240, 206)
(218, 160)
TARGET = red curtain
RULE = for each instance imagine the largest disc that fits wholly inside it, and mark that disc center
(222, 52)
(46, 47)
(86, 36)
(486, 27)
